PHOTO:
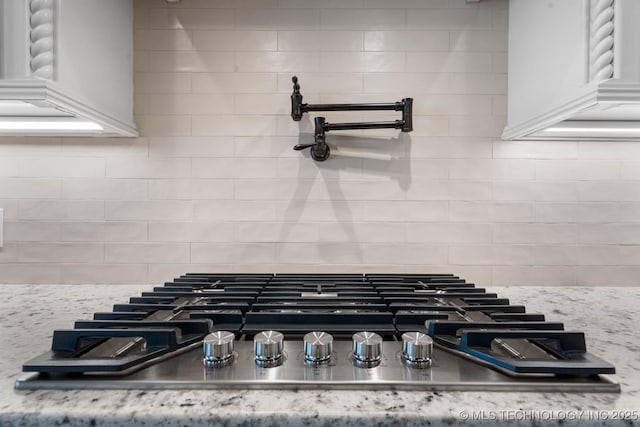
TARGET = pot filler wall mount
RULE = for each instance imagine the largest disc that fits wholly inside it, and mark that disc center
(319, 149)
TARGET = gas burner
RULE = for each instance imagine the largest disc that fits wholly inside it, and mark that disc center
(417, 331)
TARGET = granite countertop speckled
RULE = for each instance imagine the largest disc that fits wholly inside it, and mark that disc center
(609, 316)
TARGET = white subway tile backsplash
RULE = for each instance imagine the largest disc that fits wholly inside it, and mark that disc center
(61, 252)
(450, 148)
(162, 40)
(582, 212)
(61, 167)
(235, 40)
(422, 189)
(535, 190)
(453, 105)
(478, 41)
(630, 170)
(232, 253)
(98, 274)
(148, 167)
(393, 253)
(451, 19)
(35, 273)
(384, 232)
(319, 253)
(277, 19)
(249, 125)
(449, 62)
(491, 254)
(104, 189)
(162, 83)
(277, 232)
(476, 125)
(8, 167)
(261, 104)
(230, 4)
(536, 233)
(164, 125)
(320, 40)
(191, 232)
(500, 64)
(362, 62)
(29, 188)
(150, 210)
(191, 19)
(12, 146)
(104, 147)
(496, 212)
(234, 167)
(146, 252)
(313, 4)
(610, 233)
(408, 4)
(535, 149)
(103, 231)
(608, 276)
(213, 184)
(587, 255)
(404, 211)
(191, 147)
(195, 62)
(32, 231)
(187, 104)
(500, 20)
(622, 150)
(265, 146)
(331, 83)
(423, 85)
(234, 82)
(61, 210)
(536, 275)
(8, 253)
(477, 82)
(448, 233)
(582, 170)
(608, 191)
(190, 189)
(367, 19)
(234, 210)
(385, 41)
(432, 126)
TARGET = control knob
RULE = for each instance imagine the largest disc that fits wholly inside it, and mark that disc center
(318, 347)
(269, 348)
(218, 348)
(367, 349)
(417, 348)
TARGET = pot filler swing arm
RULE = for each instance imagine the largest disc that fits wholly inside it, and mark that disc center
(319, 149)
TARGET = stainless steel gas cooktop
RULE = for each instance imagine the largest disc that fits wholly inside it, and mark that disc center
(374, 331)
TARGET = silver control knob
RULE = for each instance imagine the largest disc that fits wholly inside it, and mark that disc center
(218, 348)
(417, 349)
(318, 347)
(367, 349)
(269, 348)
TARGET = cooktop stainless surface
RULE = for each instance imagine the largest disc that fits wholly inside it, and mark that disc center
(427, 332)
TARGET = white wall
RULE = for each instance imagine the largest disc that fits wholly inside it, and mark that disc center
(212, 184)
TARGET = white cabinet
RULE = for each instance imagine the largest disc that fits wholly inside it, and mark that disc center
(66, 67)
(574, 69)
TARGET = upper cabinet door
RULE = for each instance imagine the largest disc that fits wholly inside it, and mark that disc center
(66, 67)
(574, 69)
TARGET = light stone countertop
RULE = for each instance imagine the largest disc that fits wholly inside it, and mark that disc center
(28, 315)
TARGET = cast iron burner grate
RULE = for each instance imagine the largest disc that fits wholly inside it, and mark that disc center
(371, 330)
